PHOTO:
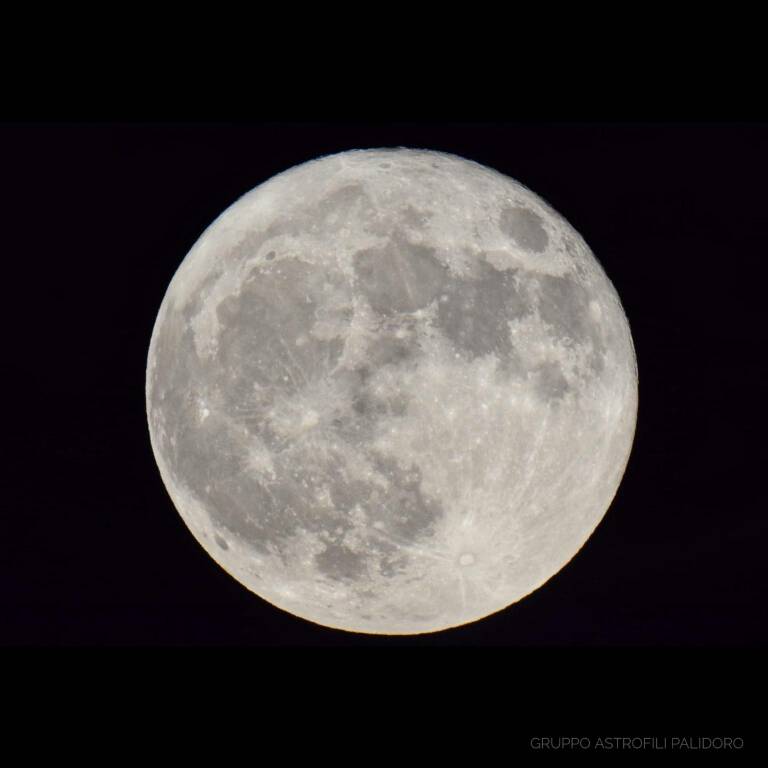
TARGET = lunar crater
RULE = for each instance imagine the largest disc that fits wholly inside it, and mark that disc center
(525, 228)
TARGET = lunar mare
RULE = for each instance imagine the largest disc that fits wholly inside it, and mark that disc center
(391, 391)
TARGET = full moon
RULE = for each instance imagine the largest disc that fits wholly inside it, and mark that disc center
(391, 391)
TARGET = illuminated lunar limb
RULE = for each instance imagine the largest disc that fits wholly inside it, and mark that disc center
(391, 391)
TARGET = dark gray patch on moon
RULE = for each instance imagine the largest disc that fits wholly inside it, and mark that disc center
(367, 405)
(474, 312)
(563, 304)
(360, 406)
(261, 325)
(221, 542)
(389, 350)
(340, 563)
(399, 277)
(268, 514)
(414, 217)
(551, 383)
(404, 510)
(346, 492)
(525, 228)
(400, 510)
(238, 503)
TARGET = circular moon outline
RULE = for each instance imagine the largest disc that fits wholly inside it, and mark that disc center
(391, 391)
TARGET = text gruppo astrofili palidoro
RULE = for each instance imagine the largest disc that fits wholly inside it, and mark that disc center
(610, 743)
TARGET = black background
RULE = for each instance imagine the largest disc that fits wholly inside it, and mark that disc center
(669, 594)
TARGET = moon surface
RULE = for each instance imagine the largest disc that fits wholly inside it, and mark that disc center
(391, 391)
